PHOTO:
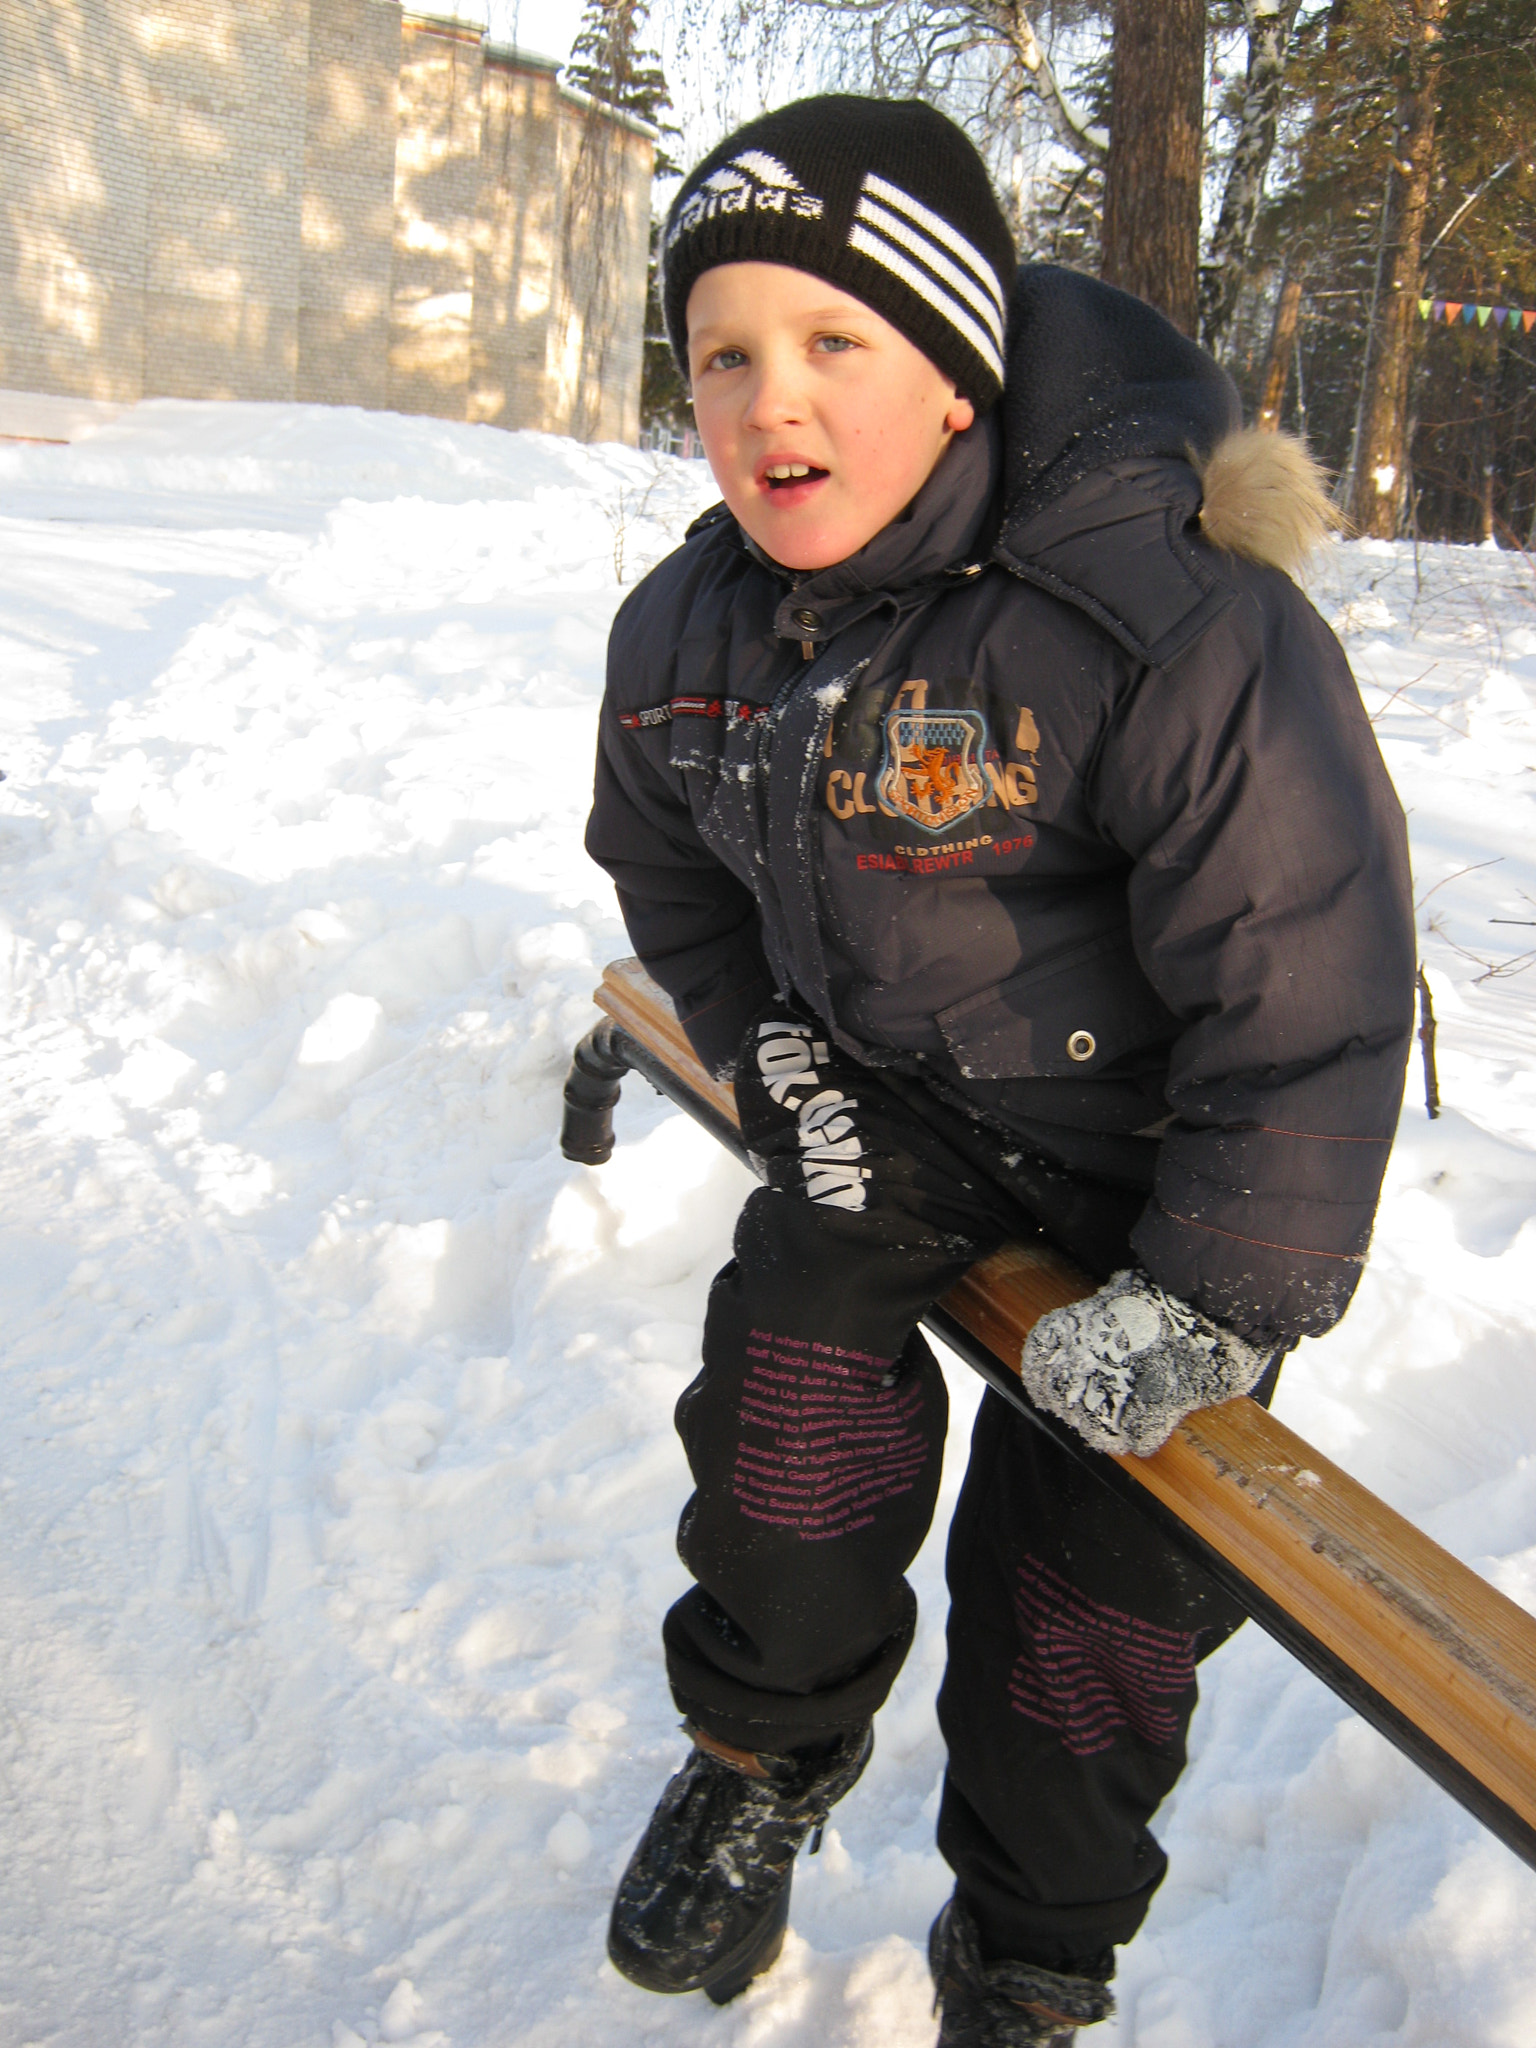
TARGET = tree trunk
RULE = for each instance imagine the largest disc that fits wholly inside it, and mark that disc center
(1486, 406)
(1152, 183)
(1282, 344)
(1376, 503)
(1221, 278)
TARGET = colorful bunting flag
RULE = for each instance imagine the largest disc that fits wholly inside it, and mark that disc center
(1452, 310)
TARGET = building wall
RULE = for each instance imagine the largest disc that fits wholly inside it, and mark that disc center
(225, 157)
(594, 355)
(347, 223)
(517, 231)
(328, 200)
(74, 103)
(437, 190)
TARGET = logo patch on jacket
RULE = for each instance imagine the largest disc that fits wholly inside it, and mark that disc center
(932, 770)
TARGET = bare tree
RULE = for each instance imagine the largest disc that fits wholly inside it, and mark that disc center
(1152, 181)
(1012, 24)
(593, 234)
(987, 60)
(1269, 24)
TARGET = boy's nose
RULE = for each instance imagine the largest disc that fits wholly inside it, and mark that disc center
(777, 399)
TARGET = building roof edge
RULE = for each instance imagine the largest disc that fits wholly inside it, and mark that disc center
(514, 58)
(442, 25)
(621, 115)
(524, 60)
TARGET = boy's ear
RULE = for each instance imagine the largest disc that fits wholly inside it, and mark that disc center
(960, 415)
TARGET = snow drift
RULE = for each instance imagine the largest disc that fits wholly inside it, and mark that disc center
(340, 1481)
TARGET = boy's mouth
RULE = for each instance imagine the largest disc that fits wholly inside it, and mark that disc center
(791, 475)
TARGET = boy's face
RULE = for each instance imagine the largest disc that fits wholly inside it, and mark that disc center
(821, 422)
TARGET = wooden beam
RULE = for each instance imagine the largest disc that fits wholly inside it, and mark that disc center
(1450, 1656)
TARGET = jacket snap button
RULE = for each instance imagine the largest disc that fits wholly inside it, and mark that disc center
(1082, 1045)
(809, 619)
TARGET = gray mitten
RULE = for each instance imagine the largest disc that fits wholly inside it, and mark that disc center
(1130, 1362)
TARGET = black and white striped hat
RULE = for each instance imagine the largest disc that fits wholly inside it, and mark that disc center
(887, 199)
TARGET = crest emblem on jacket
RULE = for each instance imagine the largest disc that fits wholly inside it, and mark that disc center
(931, 771)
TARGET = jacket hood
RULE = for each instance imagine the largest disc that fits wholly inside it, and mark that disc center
(1111, 417)
(1095, 377)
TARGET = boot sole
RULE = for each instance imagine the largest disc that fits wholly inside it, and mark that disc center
(725, 1978)
(730, 1982)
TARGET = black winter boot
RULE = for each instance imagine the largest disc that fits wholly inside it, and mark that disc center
(705, 1900)
(1004, 2005)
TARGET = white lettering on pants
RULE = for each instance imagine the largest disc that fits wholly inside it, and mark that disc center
(830, 1145)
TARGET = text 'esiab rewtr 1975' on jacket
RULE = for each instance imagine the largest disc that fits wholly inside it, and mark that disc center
(1074, 815)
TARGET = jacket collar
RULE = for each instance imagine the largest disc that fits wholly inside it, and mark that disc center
(1123, 545)
(1104, 406)
(942, 533)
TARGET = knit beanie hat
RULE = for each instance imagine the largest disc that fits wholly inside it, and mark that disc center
(887, 199)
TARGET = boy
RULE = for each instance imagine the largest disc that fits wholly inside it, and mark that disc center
(1014, 837)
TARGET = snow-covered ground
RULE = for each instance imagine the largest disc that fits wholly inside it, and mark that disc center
(338, 1488)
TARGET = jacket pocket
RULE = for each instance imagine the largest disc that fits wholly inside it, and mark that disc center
(1073, 1016)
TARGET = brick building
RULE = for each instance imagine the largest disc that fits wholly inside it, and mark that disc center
(328, 200)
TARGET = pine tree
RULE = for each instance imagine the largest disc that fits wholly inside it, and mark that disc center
(1473, 455)
(1377, 157)
(609, 64)
(1433, 430)
(664, 399)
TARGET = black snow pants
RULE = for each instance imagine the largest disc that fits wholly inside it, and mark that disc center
(815, 1435)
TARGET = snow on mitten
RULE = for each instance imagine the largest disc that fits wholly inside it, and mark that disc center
(1129, 1363)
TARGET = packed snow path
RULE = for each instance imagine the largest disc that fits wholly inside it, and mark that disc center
(339, 1482)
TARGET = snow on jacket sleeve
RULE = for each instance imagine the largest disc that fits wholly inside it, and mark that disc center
(1271, 909)
(692, 923)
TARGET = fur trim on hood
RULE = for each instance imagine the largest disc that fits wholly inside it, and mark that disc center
(1264, 498)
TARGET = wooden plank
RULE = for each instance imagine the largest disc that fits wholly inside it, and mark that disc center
(1443, 1647)
(1446, 1648)
(632, 999)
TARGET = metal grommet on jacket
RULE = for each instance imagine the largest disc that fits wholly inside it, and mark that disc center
(1082, 1045)
(809, 619)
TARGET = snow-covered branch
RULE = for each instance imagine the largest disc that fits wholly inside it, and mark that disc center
(1071, 126)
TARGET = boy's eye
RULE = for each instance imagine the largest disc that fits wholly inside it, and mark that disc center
(726, 359)
(835, 344)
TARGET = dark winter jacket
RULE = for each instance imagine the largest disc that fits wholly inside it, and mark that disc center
(1070, 813)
